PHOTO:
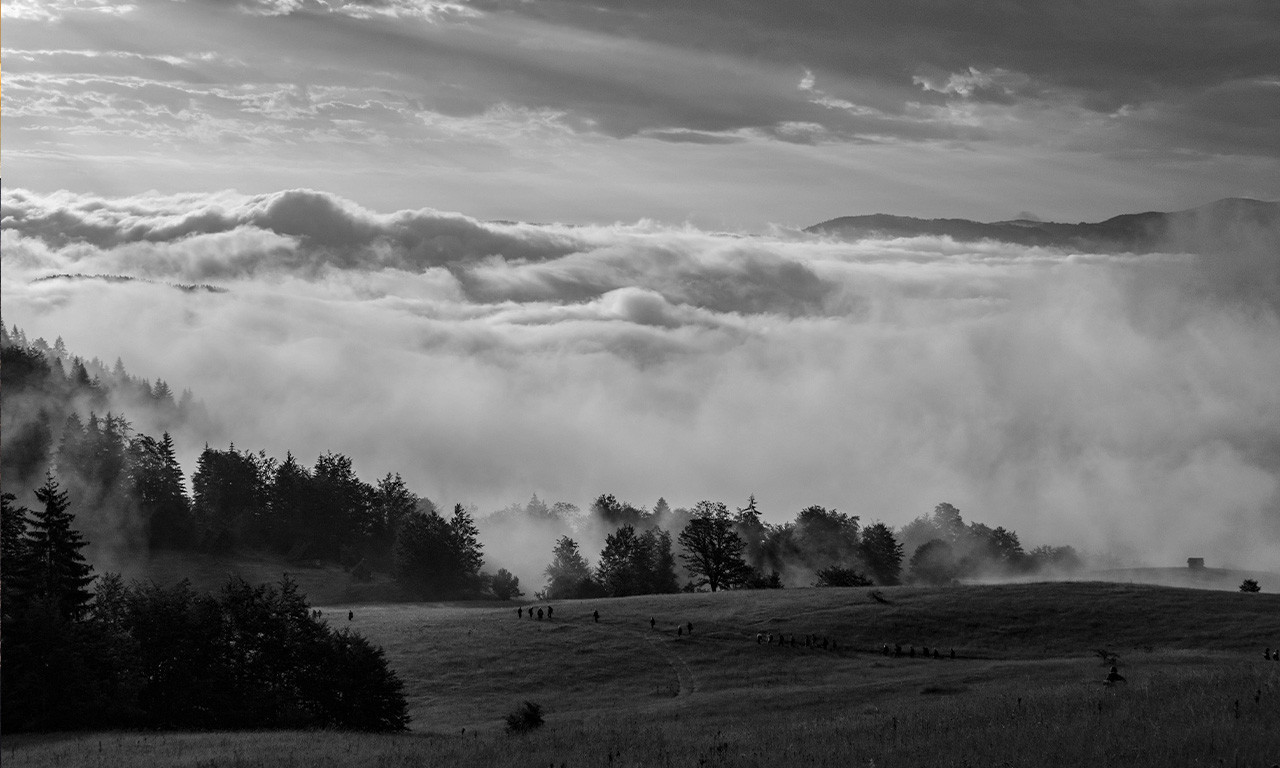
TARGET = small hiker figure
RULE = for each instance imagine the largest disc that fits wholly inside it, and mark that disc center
(539, 614)
(520, 612)
(549, 613)
(595, 615)
(1114, 677)
(953, 653)
(351, 615)
(653, 623)
(679, 631)
(689, 626)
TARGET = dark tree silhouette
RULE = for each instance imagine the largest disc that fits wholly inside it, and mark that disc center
(622, 563)
(158, 488)
(230, 496)
(835, 576)
(934, 562)
(15, 522)
(60, 575)
(882, 553)
(568, 575)
(505, 585)
(637, 563)
(468, 551)
(712, 549)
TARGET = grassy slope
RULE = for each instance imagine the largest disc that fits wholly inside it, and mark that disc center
(1025, 689)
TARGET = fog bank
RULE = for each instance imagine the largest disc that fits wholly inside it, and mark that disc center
(1116, 402)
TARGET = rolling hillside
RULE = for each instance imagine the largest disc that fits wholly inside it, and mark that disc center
(1025, 688)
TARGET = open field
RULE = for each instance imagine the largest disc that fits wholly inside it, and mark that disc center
(1024, 690)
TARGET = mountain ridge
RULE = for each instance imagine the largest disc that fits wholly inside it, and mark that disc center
(1137, 232)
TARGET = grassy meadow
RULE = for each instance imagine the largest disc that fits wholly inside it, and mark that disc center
(1025, 688)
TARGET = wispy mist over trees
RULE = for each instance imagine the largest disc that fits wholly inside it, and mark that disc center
(133, 489)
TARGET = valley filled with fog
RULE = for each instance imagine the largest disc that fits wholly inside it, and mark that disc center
(1122, 403)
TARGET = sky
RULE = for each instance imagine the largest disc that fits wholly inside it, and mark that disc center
(724, 115)
(556, 248)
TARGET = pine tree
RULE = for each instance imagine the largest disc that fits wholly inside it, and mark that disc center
(156, 483)
(663, 579)
(568, 575)
(882, 553)
(15, 524)
(468, 555)
(60, 574)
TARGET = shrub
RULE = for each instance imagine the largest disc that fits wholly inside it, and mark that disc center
(1250, 585)
(835, 576)
(505, 585)
(525, 718)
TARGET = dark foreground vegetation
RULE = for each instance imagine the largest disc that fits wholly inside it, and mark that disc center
(83, 653)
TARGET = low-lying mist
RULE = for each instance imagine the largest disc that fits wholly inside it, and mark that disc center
(1123, 404)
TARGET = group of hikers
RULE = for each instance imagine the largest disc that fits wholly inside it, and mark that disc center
(808, 641)
(537, 613)
(925, 652)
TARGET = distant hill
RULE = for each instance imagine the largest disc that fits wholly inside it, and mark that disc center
(1133, 232)
(1224, 579)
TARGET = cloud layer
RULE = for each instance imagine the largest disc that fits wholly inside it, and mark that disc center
(1122, 403)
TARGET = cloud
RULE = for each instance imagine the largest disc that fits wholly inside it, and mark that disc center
(1116, 402)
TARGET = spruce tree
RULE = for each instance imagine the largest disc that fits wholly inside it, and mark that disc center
(568, 575)
(15, 524)
(60, 574)
(467, 549)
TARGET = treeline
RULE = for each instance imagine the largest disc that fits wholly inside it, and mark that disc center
(132, 484)
(723, 549)
(134, 493)
(720, 549)
(85, 653)
(45, 384)
(944, 548)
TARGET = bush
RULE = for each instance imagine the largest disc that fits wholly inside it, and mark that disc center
(758, 580)
(835, 576)
(526, 718)
(505, 585)
(1250, 585)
